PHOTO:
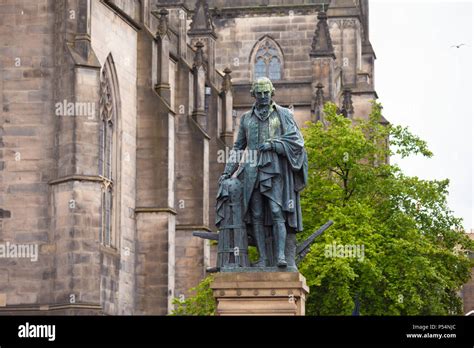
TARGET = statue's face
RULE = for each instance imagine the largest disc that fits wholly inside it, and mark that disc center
(262, 90)
(263, 97)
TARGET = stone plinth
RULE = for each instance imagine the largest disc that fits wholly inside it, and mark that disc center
(261, 293)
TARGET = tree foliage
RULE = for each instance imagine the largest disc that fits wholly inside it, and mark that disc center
(413, 249)
(201, 303)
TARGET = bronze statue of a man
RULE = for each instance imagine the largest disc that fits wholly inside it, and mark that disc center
(271, 189)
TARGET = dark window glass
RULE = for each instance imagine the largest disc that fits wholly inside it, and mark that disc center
(267, 61)
(274, 72)
(260, 68)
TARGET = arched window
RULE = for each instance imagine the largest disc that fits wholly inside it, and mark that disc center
(108, 153)
(267, 59)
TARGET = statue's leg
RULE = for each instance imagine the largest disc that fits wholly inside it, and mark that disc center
(279, 233)
(256, 213)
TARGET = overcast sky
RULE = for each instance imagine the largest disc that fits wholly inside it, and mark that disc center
(425, 84)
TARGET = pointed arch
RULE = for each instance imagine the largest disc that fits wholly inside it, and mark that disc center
(109, 153)
(266, 59)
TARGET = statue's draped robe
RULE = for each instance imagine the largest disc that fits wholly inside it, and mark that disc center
(282, 177)
(279, 177)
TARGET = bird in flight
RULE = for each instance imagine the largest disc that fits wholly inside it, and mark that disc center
(458, 46)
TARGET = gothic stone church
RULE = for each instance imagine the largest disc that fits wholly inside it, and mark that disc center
(114, 113)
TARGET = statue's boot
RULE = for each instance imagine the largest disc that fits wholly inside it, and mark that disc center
(279, 232)
(259, 235)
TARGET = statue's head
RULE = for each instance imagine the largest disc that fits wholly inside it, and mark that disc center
(262, 90)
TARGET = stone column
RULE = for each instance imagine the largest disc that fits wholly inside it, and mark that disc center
(155, 214)
(202, 30)
(347, 108)
(199, 73)
(163, 49)
(350, 51)
(260, 293)
(75, 189)
(317, 104)
(183, 46)
(227, 134)
(322, 57)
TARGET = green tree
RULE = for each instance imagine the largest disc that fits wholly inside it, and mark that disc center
(201, 303)
(394, 245)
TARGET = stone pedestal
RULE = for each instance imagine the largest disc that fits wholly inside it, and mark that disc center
(260, 293)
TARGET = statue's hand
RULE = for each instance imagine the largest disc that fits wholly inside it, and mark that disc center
(264, 147)
(223, 177)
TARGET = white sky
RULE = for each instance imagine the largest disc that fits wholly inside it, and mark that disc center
(426, 85)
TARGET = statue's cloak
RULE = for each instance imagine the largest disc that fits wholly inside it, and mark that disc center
(281, 177)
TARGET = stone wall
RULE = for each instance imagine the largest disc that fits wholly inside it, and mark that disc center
(293, 33)
(112, 36)
(26, 147)
(238, 36)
